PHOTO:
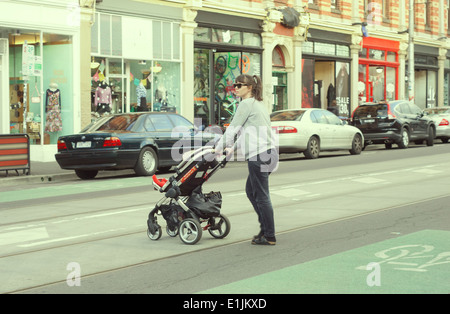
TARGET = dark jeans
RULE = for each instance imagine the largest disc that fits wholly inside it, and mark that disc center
(257, 189)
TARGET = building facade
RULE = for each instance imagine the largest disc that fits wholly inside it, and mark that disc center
(98, 57)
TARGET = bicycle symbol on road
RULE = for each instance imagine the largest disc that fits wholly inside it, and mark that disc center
(415, 257)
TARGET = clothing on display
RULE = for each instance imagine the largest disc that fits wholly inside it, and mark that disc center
(53, 122)
(103, 98)
(141, 94)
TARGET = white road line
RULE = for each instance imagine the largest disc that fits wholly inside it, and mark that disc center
(23, 236)
(69, 238)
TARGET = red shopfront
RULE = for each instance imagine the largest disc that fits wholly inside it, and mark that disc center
(378, 70)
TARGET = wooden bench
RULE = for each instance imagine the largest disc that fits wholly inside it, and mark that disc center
(15, 153)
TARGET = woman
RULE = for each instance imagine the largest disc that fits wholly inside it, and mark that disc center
(251, 123)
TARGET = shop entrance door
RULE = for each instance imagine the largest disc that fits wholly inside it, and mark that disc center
(377, 83)
(279, 81)
(227, 67)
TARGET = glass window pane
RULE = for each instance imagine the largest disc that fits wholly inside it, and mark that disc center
(332, 118)
(116, 27)
(363, 53)
(308, 47)
(376, 54)
(252, 39)
(157, 40)
(251, 63)
(342, 51)
(201, 87)
(176, 46)
(324, 48)
(161, 122)
(105, 34)
(167, 42)
(390, 83)
(94, 35)
(226, 36)
(201, 34)
(432, 87)
(166, 86)
(343, 88)
(391, 56)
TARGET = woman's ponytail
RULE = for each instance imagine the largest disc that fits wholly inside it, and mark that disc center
(256, 83)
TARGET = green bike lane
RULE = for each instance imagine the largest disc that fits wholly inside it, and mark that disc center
(415, 263)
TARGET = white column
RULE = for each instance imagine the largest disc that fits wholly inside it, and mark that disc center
(86, 19)
(441, 76)
(187, 68)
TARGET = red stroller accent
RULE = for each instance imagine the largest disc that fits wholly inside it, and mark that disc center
(184, 206)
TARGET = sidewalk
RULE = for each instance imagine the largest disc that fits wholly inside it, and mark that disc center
(40, 172)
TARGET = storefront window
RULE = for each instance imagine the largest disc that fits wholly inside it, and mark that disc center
(41, 86)
(343, 88)
(307, 83)
(201, 86)
(425, 88)
(378, 70)
(216, 68)
(226, 36)
(155, 86)
(252, 39)
(202, 34)
(390, 83)
(166, 86)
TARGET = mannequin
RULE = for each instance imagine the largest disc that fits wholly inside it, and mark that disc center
(141, 94)
(53, 121)
(103, 98)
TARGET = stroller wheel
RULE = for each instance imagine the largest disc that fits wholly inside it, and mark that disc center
(190, 231)
(219, 226)
(172, 233)
(154, 236)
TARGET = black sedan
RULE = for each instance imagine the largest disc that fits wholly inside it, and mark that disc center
(145, 142)
(395, 122)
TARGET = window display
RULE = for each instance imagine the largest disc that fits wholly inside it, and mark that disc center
(35, 65)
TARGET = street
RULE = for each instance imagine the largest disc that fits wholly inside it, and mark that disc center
(371, 223)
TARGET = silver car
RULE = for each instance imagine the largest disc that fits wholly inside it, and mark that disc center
(311, 130)
(441, 118)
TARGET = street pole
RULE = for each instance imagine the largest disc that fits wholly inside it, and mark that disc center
(411, 52)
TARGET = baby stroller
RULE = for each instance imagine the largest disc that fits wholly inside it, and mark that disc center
(184, 206)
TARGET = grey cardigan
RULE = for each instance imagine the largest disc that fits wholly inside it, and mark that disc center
(251, 123)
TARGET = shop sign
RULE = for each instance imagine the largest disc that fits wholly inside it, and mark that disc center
(27, 59)
(31, 64)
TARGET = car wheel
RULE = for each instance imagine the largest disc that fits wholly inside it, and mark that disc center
(404, 142)
(357, 145)
(430, 138)
(313, 148)
(444, 140)
(86, 174)
(147, 163)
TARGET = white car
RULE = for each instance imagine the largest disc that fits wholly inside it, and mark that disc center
(441, 118)
(311, 130)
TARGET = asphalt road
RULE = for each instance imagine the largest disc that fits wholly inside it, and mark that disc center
(334, 216)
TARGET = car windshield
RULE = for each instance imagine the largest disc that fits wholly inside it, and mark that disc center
(122, 122)
(443, 110)
(291, 115)
(380, 110)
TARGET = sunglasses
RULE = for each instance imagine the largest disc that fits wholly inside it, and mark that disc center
(239, 85)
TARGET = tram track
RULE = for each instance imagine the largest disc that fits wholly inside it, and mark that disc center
(218, 246)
